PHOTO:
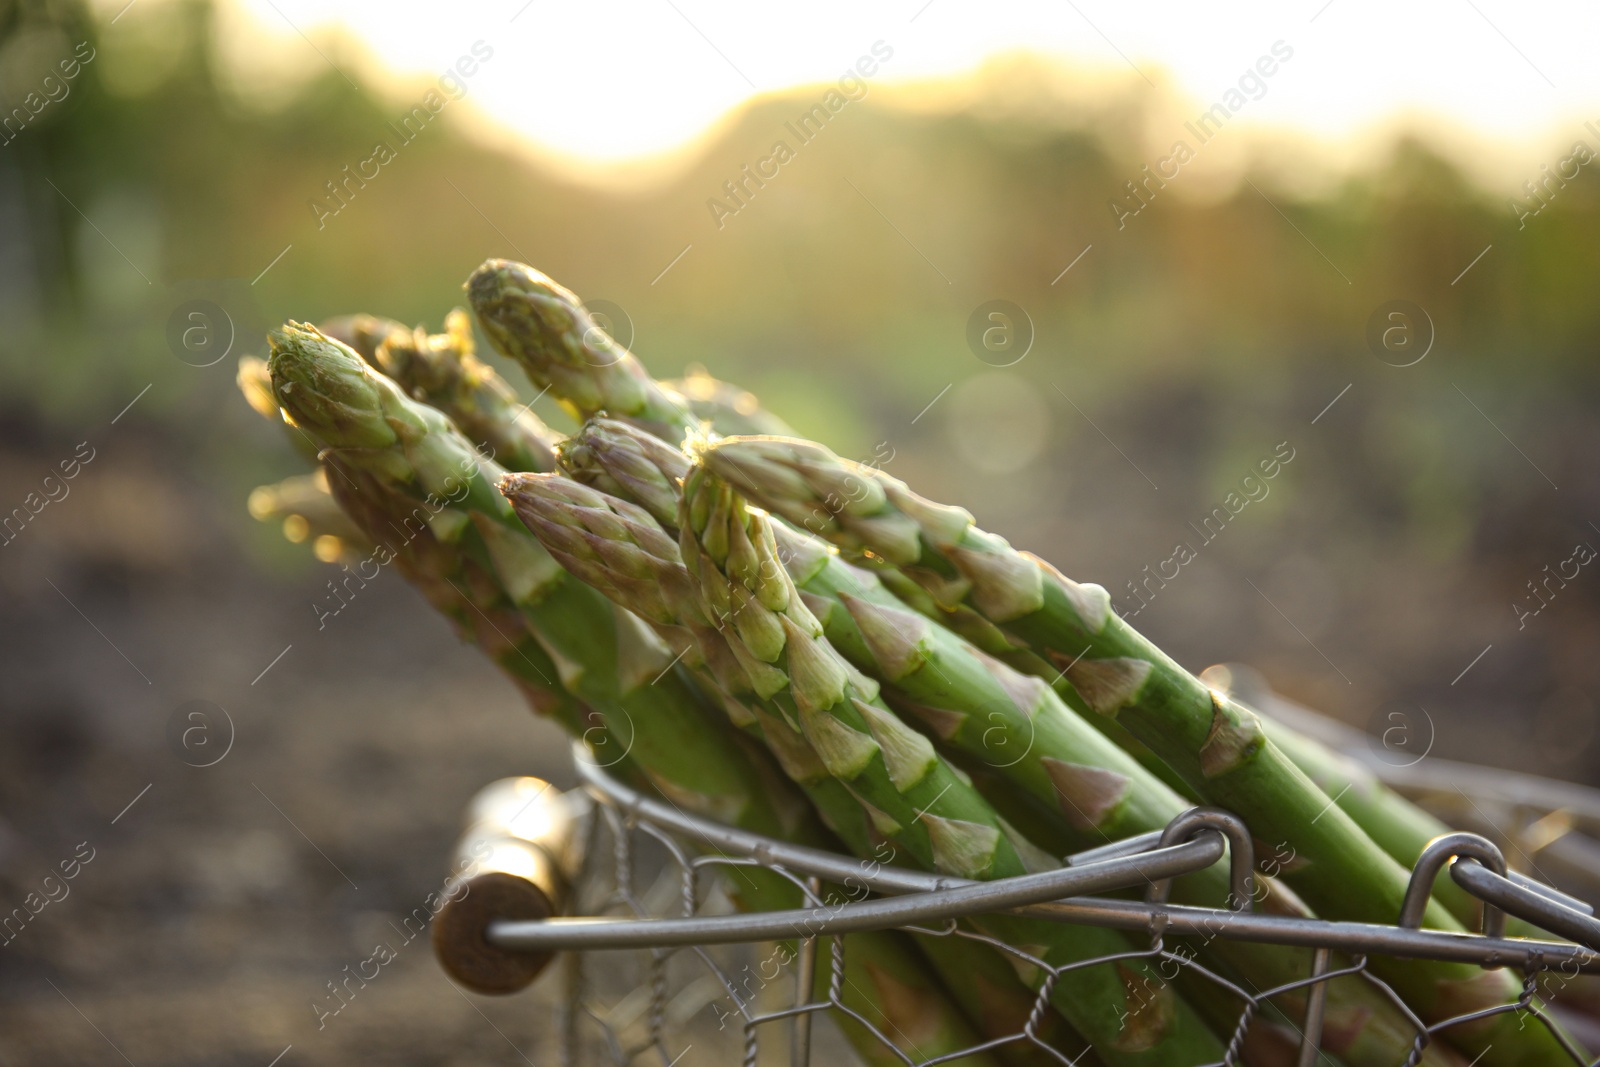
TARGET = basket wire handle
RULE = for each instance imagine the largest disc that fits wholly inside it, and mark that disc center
(1241, 853)
(1441, 850)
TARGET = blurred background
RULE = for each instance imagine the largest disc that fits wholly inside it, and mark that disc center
(1081, 271)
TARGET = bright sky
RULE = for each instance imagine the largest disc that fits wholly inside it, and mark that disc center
(607, 82)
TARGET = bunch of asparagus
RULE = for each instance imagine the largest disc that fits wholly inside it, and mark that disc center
(799, 645)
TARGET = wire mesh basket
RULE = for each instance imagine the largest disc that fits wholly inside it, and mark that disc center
(655, 961)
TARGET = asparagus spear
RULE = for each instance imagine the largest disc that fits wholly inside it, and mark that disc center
(1396, 825)
(546, 329)
(440, 370)
(1012, 725)
(989, 992)
(635, 564)
(621, 461)
(596, 652)
(876, 963)
(396, 531)
(363, 333)
(443, 371)
(728, 408)
(1217, 746)
(833, 735)
(302, 504)
(1399, 827)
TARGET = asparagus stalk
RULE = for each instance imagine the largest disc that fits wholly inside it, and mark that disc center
(728, 408)
(1009, 724)
(440, 370)
(1399, 827)
(629, 558)
(1217, 746)
(833, 735)
(875, 963)
(443, 371)
(255, 382)
(302, 504)
(546, 330)
(621, 461)
(596, 652)
(599, 654)
(458, 588)
(1396, 825)
(363, 333)
(455, 586)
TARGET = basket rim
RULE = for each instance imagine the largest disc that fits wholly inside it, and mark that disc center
(1193, 841)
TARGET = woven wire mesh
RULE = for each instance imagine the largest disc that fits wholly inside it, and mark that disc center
(710, 1003)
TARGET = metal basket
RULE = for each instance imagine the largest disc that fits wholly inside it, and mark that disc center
(673, 931)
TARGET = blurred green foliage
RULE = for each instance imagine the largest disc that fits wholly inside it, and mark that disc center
(1195, 338)
(191, 185)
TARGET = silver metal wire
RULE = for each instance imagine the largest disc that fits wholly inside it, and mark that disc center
(690, 977)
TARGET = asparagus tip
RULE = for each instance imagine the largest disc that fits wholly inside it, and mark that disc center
(327, 388)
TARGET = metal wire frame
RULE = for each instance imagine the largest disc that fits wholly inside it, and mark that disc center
(933, 905)
(1468, 796)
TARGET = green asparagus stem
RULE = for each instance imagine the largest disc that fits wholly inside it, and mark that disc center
(302, 504)
(458, 588)
(601, 655)
(364, 334)
(546, 329)
(443, 371)
(1217, 746)
(1399, 827)
(616, 457)
(628, 557)
(728, 408)
(879, 968)
(255, 382)
(596, 652)
(833, 736)
(1014, 726)
(548, 332)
